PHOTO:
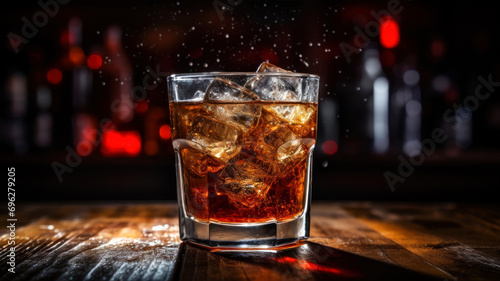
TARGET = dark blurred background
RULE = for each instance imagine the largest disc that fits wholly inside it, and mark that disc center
(392, 73)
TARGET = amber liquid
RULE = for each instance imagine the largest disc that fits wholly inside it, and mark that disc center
(244, 162)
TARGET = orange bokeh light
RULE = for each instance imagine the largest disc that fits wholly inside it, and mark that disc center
(151, 147)
(76, 55)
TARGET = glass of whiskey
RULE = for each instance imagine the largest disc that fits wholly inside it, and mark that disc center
(243, 145)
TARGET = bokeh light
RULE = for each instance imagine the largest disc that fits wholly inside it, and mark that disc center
(54, 76)
(94, 61)
(389, 33)
(165, 132)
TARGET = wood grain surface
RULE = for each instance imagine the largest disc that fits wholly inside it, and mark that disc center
(349, 241)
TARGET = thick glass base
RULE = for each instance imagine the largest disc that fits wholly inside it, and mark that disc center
(248, 235)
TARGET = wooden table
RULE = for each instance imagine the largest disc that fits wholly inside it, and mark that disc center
(349, 241)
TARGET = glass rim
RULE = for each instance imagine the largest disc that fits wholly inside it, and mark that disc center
(181, 76)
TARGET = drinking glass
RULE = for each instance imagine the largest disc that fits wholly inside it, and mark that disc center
(243, 146)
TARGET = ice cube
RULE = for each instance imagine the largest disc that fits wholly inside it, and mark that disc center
(293, 152)
(245, 181)
(217, 138)
(182, 115)
(271, 130)
(198, 96)
(193, 157)
(244, 115)
(269, 67)
(292, 113)
(273, 87)
(263, 142)
(278, 136)
(224, 90)
(268, 144)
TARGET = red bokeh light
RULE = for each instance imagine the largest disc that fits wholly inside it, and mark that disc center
(141, 106)
(329, 147)
(389, 33)
(94, 61)
(269, 55)
(126, 143)
(165, 132)
(64, 39)
(438, 48)
(84, 148)
(196, 53)
(387, 58)
(131, 144)
(54, 76)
